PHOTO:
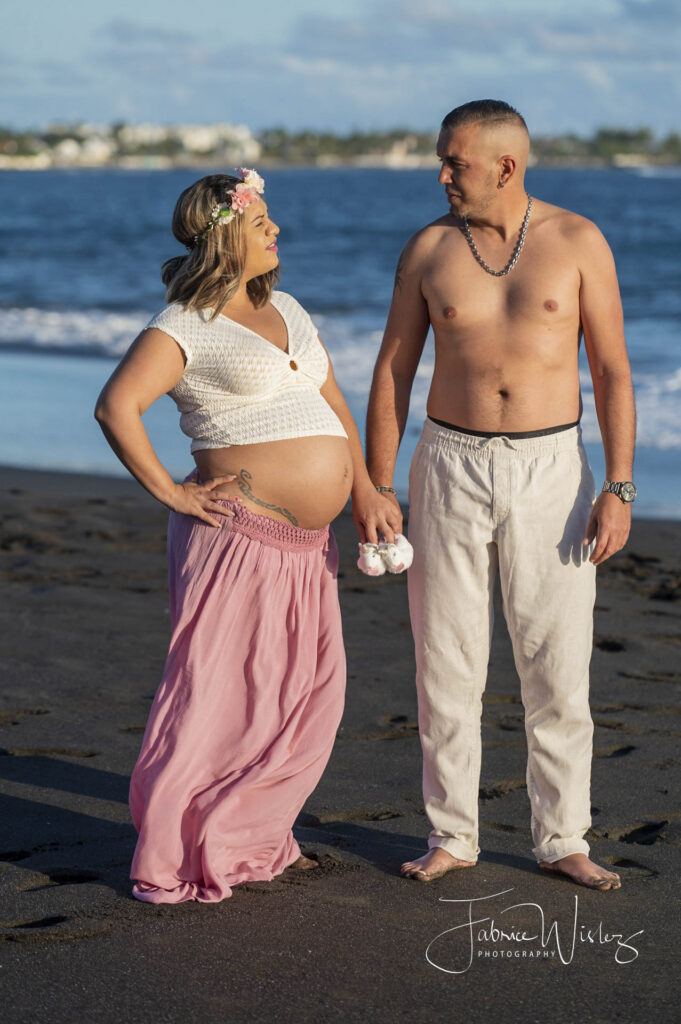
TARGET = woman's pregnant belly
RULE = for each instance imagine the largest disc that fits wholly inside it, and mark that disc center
(305, 481)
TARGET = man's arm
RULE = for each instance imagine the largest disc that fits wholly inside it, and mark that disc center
(389, 519)
(398, 359)
(602, 323)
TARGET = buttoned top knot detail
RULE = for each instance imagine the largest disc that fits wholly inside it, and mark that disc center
(239, 388)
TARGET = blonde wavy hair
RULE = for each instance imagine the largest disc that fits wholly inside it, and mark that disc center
(209, 275)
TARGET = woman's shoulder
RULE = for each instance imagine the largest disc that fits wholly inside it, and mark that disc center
(186, 326)
(290, 307)
(175, 315)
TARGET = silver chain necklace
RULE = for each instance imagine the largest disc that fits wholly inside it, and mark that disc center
(514, 255)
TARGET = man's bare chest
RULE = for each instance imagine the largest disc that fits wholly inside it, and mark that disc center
(542, 290)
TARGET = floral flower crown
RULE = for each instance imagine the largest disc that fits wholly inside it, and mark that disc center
(237, 199)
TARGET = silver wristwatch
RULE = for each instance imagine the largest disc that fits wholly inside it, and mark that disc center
(624, 489)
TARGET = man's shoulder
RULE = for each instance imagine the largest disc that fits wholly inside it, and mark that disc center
(576, 236)
(571, 226)
(433, 232)
(426, 238)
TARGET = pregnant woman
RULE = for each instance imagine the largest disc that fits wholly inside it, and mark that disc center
(244, 719)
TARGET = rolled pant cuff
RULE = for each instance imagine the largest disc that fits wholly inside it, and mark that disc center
(553, 851)
(454, 847)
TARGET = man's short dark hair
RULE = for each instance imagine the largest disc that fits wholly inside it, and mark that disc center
(483, 112)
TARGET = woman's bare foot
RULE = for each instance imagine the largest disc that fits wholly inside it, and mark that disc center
(434, 864)
(303, 863)
(583, 871)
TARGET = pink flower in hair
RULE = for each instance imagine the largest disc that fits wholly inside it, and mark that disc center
(252, 178)
(242, 196)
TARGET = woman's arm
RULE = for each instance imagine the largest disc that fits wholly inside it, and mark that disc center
(386, 514)
(152, 366)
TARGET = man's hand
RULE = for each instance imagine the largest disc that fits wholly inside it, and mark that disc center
(376, 512)
(609, 523)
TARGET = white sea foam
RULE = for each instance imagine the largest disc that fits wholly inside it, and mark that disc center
(657, 409)
(95, 331)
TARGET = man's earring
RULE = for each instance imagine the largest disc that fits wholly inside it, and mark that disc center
(501, 184)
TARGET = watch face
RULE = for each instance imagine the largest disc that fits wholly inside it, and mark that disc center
(628, 491)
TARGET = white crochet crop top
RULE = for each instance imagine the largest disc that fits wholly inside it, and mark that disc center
(239, 388)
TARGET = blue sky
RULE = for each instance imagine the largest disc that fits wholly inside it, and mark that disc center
(376, 64)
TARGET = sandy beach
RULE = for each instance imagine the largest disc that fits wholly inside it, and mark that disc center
(84, 628)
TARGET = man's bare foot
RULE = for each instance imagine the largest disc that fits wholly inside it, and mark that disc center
(583, 871)
(434, 864)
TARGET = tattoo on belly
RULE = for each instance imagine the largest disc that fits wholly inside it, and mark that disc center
(245, 487)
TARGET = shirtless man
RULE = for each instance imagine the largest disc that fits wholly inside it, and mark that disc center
(500, 482)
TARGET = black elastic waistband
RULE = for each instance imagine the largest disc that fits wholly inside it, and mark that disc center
(511, 434)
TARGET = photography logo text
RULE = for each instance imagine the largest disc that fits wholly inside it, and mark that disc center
(487, 930)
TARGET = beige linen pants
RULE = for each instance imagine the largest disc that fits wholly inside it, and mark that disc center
(518, 507)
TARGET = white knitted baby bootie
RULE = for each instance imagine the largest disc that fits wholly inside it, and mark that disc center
(398, 556)
(369, 561)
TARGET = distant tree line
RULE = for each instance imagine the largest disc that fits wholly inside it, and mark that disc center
(603, 146)
(607, 144)
(279, 145)
(305, 147)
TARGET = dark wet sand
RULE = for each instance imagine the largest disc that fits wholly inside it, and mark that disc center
(84, 627)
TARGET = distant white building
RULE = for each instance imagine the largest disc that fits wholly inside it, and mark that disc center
(97, 149)
(92, 145)
(144, 134)
(232, 142)
(67, 152)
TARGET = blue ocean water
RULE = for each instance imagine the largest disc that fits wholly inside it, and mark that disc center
(80, 277)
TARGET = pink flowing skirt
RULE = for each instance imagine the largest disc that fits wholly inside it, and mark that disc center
(243, 722)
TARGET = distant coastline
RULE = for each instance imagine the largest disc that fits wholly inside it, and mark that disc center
(168, 147)
(367, 164)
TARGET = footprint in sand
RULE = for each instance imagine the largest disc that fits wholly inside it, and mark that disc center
(615, 751)
(633, 865)
(609, 643)
(56, 928)
(46, 752)
(12, 717)
(47, 878)
(645, 835)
